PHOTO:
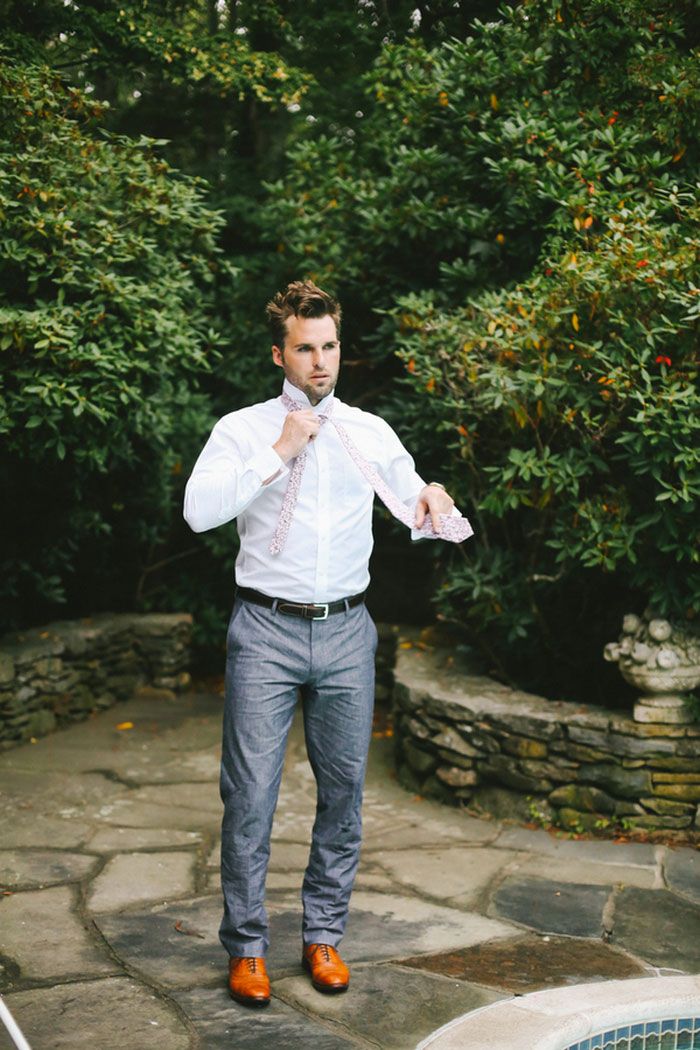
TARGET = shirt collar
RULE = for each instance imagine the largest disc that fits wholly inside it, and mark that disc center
(300, 397)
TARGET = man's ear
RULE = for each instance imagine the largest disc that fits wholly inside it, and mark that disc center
(278, 356)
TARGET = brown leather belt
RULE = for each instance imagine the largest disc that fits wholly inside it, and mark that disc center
(314, 611)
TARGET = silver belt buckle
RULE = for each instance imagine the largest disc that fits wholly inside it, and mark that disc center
(320, 605)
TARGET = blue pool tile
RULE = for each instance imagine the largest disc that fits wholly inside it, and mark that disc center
(669, 1033)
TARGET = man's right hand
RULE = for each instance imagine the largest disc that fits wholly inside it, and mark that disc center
(299, 428)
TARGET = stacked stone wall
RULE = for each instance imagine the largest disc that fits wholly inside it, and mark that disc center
(53, 675)
(469, 740)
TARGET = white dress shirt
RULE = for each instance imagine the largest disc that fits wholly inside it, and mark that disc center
(329, 543)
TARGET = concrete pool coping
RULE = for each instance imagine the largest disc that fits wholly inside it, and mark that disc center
(556, 1018)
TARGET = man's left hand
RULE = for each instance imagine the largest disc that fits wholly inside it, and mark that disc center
(434, 501)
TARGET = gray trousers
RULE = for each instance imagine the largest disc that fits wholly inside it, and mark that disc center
(271, 660)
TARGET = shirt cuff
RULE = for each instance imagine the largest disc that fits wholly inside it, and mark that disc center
(416, 534)
(267, 464)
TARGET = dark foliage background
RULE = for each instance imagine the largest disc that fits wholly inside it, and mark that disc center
(507, 204)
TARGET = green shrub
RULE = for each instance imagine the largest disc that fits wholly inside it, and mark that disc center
(520, 215)
(569, 408)
(108, 269)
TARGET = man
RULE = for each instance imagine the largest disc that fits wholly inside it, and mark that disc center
(299, 624)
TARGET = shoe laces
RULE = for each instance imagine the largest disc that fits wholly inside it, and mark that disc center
(252, 963)
(325, 952)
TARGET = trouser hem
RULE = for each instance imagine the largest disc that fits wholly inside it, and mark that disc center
(247, 951)
(321, 937)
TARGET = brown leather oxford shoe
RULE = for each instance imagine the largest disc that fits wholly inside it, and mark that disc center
(328, 971)
(248, 982)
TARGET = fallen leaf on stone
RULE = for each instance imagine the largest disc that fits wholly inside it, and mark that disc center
(190, 933)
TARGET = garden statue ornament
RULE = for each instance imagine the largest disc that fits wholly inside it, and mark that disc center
(663, 660)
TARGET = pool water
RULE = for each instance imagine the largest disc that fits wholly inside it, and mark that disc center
(671, 1033)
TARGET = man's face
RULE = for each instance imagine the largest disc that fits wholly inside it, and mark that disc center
(310, 356)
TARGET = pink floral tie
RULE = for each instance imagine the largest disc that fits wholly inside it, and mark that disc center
(452, 528)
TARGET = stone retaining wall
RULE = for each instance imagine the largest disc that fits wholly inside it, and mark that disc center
(62, 672)
(467, 739)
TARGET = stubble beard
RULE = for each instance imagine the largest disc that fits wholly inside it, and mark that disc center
(316, 394)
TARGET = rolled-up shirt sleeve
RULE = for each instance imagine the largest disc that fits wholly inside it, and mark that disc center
(227, 477)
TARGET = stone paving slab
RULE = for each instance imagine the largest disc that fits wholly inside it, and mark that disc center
(130, 813)
(131, 878)
(592, 873)
(34, 869)
(113, 1014)
(203, 797)
(388, 926)
(431, 821)
(149, 943)
(201, 765)
(29, 829)
(560, 845)
(42, 934)
(133, 813)
(119, 840)
(388, 1006)
(289, 856)
(381, 927)
(294, 817)
(288, 862)
(375, 882)
(449, 872)
(161, 733)
(682, 872)
(51, 791)
(404, 834)
(526, 964)
(660, 927)
(222, 1024)
(276, 880)
(553, 907)
(174, 764)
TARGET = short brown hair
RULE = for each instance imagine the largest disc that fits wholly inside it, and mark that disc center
(300, 299)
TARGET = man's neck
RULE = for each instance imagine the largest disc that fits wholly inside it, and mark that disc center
(300, 397)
